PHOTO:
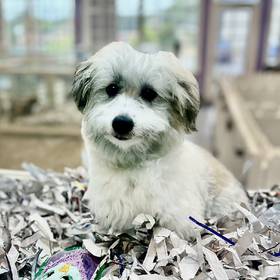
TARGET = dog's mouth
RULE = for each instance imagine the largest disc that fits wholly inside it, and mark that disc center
(122, 137)
(123, 141)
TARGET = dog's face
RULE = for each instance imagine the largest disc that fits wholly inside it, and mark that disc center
(134, 104)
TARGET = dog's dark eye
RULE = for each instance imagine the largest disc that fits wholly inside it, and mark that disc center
(148, 94)
(112, 90)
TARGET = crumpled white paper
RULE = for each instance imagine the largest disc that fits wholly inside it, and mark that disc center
(45, 214)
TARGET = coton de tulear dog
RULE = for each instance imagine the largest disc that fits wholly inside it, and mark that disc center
(137, 109)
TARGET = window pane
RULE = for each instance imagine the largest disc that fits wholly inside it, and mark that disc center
(39, 27)
(231, 47)
(273, 46)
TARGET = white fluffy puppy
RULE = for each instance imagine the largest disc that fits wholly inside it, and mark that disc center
(137, 110)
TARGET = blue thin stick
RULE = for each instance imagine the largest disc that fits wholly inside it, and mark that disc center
(275, 254)
(211, 230)
(221, 236)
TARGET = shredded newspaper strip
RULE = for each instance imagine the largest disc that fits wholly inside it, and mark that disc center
(44, 214)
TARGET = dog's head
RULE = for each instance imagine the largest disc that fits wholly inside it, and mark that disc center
(134, 103)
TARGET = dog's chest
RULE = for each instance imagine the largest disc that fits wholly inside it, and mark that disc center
(118, 197)
(125, 187)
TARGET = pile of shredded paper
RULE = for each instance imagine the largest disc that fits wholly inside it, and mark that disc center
(43, 214)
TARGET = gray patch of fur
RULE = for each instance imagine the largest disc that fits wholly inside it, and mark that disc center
(186, 113)
(83, 85)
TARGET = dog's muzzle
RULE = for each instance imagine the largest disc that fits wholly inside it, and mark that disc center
(122, 126)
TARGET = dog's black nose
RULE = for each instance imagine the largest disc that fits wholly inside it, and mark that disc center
(122, 124)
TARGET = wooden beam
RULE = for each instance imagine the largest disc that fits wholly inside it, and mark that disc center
(40, 131)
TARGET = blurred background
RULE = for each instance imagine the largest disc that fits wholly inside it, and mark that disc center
(232, 47)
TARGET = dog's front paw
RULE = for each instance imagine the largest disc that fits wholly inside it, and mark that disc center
(183, 228)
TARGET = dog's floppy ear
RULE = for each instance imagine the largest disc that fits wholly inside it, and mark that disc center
(187, 103)
(184, 92)
(82, 84)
